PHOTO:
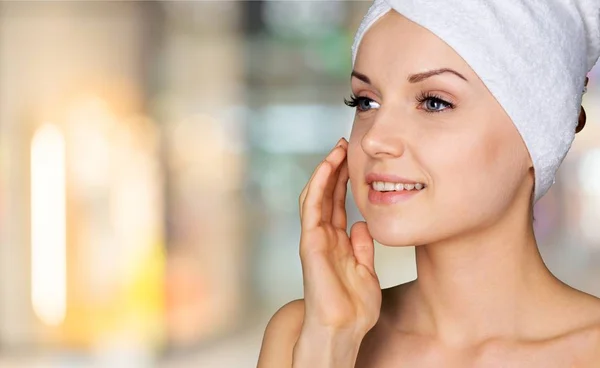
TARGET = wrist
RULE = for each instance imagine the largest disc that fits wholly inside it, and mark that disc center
(321, 347)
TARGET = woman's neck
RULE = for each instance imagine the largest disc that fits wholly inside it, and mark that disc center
(493, 284)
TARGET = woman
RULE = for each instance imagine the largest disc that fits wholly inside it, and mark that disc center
(433, 161)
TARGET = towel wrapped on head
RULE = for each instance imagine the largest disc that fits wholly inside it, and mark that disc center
(524, 51)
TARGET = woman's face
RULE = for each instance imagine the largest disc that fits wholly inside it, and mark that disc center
(465, 149)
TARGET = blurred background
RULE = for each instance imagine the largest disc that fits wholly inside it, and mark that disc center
(151, 157)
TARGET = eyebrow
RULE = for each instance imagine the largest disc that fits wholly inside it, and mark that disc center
(413, 78)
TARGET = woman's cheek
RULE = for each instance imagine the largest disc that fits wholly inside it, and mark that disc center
(354, 145)
(356, 162)
(353, 164)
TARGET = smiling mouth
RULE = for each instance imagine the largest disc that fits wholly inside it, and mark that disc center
(381, 186)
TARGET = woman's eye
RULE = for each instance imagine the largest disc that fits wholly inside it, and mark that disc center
(434, 104)
(362, 103)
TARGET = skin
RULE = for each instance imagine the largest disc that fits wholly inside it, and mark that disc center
(483, 296)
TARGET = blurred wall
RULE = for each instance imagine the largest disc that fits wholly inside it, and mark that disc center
(55, 58)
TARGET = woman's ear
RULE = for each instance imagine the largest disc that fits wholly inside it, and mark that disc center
(582, 116)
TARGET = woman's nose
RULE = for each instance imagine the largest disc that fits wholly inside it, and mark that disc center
(381, 140)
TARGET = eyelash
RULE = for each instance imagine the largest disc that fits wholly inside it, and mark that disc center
(425, 96)
(422, 97)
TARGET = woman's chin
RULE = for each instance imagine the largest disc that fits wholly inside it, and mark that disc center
(395, 235)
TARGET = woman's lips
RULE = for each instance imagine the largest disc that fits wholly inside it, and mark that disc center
(376, 197)
(371, 177)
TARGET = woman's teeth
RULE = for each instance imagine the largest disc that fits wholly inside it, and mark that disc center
(381, 186)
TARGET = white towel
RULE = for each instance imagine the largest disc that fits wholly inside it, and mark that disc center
(533, 56)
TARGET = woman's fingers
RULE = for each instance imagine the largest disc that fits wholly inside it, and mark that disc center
(331, 157)
(305, 189)
(362, 245)
(336, 161)
(312, 207)
(338, 218)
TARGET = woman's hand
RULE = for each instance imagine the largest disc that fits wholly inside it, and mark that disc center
(342, 293)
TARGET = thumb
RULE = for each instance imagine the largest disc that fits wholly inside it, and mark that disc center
(362, 245)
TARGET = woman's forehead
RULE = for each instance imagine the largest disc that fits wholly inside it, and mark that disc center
(395, 43)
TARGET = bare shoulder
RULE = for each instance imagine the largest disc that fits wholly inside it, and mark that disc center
(592, 333)
(281, 335)
(586, 338)
(589, 340)
(595, 338)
